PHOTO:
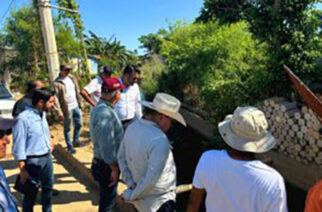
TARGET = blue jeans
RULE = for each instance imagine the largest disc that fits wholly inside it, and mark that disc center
(40, 169)
(101, 173)
(75, 116)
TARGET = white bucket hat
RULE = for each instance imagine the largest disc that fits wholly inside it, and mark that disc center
(246, 130)
(167, 105)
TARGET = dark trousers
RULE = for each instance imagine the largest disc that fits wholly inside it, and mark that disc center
(168, 206)
(101, 173)
(40, 169)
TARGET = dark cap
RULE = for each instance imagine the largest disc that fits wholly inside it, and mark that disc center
(65, 66)
(111, 84)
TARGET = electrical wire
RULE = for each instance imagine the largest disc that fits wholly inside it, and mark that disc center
(4, 15)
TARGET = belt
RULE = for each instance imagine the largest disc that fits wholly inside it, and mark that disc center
(37, 156)
(127, 121)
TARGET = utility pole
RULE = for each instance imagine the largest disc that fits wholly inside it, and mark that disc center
(48, 32)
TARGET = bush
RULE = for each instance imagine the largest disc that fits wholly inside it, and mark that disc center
(215, 67)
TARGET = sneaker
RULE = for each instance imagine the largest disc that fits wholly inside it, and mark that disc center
(71, 150)
(78, 144)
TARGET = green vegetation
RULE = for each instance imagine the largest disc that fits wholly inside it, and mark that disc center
(292, 30)
(233, 54)
(111, 51)
(22, 32)
(215, 67)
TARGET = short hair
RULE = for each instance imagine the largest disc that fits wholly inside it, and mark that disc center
(149, 112)
(42, 94)
(31, 85)
(137, 70)
(5, 132)
(106, 70)
(129, 69)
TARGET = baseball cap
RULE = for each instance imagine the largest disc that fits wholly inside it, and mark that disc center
(111, 84)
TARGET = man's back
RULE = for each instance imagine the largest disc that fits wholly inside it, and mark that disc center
(149, 158)
(236, 185)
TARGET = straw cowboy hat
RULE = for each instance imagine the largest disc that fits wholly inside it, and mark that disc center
(246, 130)
(167, 105)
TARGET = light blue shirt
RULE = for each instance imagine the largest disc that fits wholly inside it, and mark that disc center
(7, 201)
(106, 132)
(30, 135)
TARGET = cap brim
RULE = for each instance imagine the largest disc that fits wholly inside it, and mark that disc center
(176, 116)
(259, 146)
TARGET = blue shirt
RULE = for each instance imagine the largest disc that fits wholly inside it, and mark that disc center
(106, 132)
(7, 201)
(30, 135)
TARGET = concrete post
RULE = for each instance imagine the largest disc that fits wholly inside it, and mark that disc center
(48, 32)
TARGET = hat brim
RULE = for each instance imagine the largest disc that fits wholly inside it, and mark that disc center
(262, 145)
(176, 116)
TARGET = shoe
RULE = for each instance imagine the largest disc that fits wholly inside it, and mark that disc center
(78, 144)
(71, 150)
(55, 192)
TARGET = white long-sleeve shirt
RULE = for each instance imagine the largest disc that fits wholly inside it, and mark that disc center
(145, 158)
(129, 105)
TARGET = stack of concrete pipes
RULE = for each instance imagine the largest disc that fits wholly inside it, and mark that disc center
(296, 128)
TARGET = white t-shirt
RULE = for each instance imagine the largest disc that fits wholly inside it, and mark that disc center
(239, 186)
(94, 88)
(129, 105)
(70, 93)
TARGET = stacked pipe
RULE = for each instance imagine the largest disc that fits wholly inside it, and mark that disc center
(296, 129)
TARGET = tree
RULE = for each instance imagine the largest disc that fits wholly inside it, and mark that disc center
(289, 27)
(78, 26)
(214, 67)
(22, 33)
(111, 51)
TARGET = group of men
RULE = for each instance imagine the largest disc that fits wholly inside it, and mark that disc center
(135, 145)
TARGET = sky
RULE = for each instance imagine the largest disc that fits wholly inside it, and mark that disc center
(127, 20)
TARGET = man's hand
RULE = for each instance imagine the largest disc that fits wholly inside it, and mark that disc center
(52, 144)
(23, 176)
(114, 174)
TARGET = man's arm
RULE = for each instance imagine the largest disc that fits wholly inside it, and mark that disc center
(195, 200)
(126, 173)
(86, 96)
(19, 134)
(138, 107)
(107, 137)
(57, 106)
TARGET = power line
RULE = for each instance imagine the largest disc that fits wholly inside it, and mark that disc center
(4, 15)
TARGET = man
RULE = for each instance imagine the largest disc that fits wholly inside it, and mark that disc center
(129, 107)
(7, 201)
(106, 133)
(92, 92)
(25, 101)
(233, 180)
(32, 148)
(68, 105)
(145, 157)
